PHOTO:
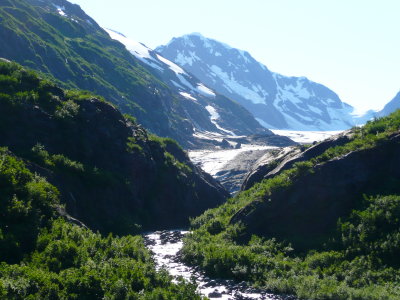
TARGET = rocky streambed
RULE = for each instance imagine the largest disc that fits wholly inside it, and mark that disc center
(165, 246)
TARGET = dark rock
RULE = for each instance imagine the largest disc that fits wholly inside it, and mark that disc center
(215, 294)
(233, 172)
(117, 189)
(238, 145)
(308, 210)
(274, 163)
(271, 107)
(225, 144)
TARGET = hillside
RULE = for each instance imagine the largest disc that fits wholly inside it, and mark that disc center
(44, 257)
(276, 101)
(112, 174)
(322, 224)
(58, 39)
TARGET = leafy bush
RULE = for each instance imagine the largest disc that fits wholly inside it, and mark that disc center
(26, 204)
(74, 263)
(359, 261)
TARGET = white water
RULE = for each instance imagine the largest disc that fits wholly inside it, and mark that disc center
(165, 246)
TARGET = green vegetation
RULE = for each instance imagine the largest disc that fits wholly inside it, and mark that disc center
(42, 257)
(79, 54)
(27, 203)
(92, 153)
(54, 133)
(358, 260)
(70, 262)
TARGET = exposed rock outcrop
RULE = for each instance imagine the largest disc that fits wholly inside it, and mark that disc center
(309, 208)
(272, 163)
(111, 173)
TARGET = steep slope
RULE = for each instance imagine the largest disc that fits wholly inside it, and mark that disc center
(323, 224)
(277, 101)
(207, 110)
(60, 40)
(390, 107)
(58, 260)
(111, 173)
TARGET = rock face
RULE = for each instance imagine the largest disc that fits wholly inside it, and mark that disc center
(272, 163)
(277, 101)
(65, 43)
(311, 206)
(232, 174)
(111, 173)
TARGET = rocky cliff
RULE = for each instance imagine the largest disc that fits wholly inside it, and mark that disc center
(307, 206)
(111, 173)
(272, 163)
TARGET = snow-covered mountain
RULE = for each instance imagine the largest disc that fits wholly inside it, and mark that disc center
(276, 101)
(206, 110)
(390, 107)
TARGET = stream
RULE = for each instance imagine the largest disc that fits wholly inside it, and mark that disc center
(165, 246)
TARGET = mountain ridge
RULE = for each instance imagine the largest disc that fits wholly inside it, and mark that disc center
(60, 40)
(277, 101)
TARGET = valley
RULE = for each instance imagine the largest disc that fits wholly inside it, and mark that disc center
(187, 171)
(230, 166)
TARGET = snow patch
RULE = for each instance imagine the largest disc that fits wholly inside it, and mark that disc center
(60, 10)
(171, 65)
(187, 96)
(139, 50)
(202, 89)
(214, 116)
(238, 88)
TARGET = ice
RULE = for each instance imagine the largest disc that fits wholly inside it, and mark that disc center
(306, 137)
(212, 161)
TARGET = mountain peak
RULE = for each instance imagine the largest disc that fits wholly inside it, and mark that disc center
(277, 101)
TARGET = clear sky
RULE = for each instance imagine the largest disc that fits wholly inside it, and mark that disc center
(351, 46)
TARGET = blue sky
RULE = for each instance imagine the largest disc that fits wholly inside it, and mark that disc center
(352, 46)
